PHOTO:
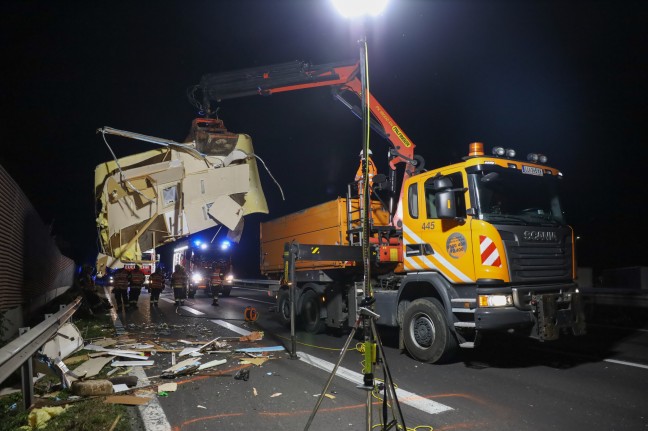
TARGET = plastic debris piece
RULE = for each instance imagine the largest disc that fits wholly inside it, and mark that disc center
(262, 349)
(332, 397)
(276, 394)
(254, 392)
(201, 407)
(162, 394)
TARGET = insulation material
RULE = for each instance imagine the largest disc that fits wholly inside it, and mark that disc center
(226, 211)
(159, 196)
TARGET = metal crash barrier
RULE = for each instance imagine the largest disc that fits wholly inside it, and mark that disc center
(18, 353)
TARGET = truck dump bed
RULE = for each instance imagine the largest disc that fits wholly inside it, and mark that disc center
(324, 224)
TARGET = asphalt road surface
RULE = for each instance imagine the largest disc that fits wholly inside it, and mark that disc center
(595, 382)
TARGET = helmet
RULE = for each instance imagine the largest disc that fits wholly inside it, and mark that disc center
(369, 152)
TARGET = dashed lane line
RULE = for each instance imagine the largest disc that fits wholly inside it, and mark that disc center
(630, 364)
(405, 397)
(231, 327)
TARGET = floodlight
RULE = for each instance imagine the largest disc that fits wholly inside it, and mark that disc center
(355, 8)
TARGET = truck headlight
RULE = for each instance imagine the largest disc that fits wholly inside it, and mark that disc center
(229, 278)
(196, 278)
(495, 300)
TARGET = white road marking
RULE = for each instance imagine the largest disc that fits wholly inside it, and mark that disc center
(192, 310)
(630, 364)
(405, 397)
(231, 327)
(152, 413)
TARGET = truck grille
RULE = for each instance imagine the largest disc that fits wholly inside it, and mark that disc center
(536, 261)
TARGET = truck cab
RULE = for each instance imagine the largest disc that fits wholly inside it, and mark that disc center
(487, 242)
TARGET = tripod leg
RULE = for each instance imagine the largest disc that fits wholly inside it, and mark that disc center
(330, 379)
(389, 383)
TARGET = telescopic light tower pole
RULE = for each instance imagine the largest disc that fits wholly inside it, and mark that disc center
(367, 317)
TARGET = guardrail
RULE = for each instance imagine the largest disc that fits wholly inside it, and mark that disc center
(18, 353)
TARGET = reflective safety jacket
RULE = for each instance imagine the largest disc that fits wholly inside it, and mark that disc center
(179, 280)
(157, 281)
(137, 278)
(120, 279)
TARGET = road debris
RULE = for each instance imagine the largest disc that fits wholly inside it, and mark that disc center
(90, 388)
(38, 418)
(242, 375)
(167, 387)
(276, 394)
(261, 349)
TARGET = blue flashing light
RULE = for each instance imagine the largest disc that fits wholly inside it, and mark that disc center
(203, 246)
(225, 245)
(197, 242)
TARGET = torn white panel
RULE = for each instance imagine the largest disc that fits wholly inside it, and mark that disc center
(226, 211)
(66, 341)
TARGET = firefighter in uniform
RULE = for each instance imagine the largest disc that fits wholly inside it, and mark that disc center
(156, 285)
(179, 283)
(216, 281)
(137, 279)
(120, 287)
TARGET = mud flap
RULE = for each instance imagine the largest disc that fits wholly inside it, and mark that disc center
(557, 311)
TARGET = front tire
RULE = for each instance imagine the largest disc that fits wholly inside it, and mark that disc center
(426, 334)
(310, 313)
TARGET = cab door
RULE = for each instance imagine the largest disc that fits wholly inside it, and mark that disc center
(433, 243)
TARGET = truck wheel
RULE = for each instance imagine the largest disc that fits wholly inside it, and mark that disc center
(426, 334)
(283, 307)
(310, 313)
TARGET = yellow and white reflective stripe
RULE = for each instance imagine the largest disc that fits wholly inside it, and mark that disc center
(435, 261)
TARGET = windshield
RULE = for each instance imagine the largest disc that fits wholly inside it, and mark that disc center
(508, 196)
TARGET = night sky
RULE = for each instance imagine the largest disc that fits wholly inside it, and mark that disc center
(568, 79)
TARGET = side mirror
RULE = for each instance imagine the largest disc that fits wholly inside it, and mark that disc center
(445, 205)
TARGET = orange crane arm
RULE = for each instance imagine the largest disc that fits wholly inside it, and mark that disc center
(299, 75)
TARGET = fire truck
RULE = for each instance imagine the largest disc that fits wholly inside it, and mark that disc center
(147, 264)
(208, 265)
(456, 252)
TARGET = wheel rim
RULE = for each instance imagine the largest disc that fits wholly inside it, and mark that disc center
(422, 330)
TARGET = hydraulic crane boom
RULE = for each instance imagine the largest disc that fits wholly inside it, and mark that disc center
(298, 75)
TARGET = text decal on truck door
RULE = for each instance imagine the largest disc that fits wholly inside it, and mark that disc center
(531, 170)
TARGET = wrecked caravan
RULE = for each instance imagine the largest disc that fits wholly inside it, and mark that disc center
(152, 198)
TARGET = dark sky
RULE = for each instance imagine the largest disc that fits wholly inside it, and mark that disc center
(565, 78)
